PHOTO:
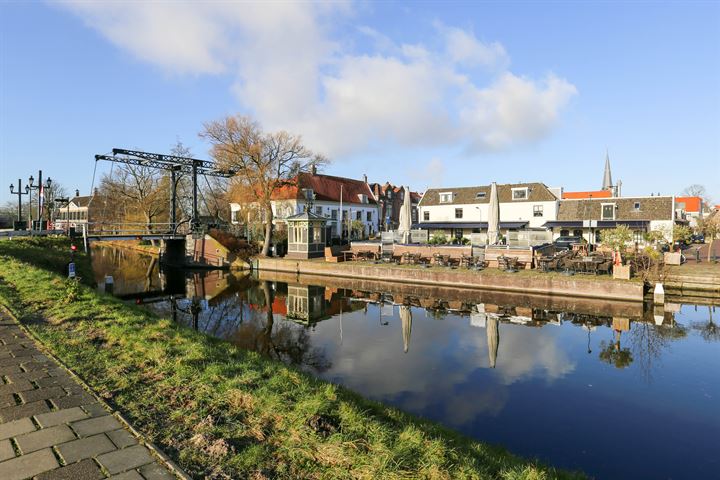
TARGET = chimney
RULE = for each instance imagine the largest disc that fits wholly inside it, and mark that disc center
(95, 191)
(365, 177)
(313, 169)
(77, 192)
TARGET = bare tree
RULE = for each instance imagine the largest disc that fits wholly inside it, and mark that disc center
(140, 190)
(710, 227)
(263, 161)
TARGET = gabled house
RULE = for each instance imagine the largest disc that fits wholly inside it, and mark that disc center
(460, 211)
(390, 199)
(322, 195)
(589, 217)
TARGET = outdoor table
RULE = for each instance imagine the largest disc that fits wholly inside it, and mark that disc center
(440, 259)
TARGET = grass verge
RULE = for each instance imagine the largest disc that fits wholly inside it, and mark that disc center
(223, 412)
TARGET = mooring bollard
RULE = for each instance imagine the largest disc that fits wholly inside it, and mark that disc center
(659, 293)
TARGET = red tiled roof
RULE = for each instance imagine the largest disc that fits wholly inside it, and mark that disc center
(692, 204)
(592, 194)
(326, 188)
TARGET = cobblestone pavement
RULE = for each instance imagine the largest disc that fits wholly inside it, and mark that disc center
(51, 428)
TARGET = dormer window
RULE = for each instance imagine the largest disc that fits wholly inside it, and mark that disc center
(363, 198)
(308, 193)
(608, 211)
(520, 193)
(480, 195)
(446, 197)
(636, 206)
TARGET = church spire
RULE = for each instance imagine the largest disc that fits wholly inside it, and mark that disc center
(607, 177)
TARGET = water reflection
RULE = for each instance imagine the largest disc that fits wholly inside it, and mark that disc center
(537, 374)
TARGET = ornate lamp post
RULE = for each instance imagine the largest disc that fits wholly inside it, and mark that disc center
(19, 194)
(40, 187)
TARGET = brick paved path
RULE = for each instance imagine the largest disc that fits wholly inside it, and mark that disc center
(51, 428)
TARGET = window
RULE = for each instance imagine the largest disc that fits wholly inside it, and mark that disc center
(426, 215)
(318, 210)
(333, 214)
(369, 216)
(564, 233)
(480, 195)
(358, 215)
(537, 210)
(446, 197)
(309, 194)
(608, 211)
(520, 193)
(636, 206)
(363, 198)
(577, 233)
(458, 213)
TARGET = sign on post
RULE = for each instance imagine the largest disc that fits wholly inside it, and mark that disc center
(71, 270)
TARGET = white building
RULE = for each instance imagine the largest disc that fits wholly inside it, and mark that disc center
(460, 211)
(326, 195)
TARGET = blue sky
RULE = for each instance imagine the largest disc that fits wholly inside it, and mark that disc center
(425, 94)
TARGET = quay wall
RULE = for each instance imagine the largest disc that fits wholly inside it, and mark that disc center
(607, 289)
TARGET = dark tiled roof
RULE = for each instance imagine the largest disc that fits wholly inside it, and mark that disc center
(651, 208)
(538, 192)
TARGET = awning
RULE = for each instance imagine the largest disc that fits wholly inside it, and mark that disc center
(563, 223)
(479, 225)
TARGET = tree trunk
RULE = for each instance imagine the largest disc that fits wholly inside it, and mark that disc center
(710, 245)
(268, 231)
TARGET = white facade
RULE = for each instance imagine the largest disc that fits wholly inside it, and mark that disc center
(367, 213)
(535, 213)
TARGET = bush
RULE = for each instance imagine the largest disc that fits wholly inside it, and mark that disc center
(438, 239)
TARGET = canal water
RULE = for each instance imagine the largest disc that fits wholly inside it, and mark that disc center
(618, 390)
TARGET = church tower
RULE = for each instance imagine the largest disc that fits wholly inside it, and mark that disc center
(607, 177)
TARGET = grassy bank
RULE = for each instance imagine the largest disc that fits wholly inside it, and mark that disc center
(223, 412)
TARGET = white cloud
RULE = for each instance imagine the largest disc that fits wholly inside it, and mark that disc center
(292, 70)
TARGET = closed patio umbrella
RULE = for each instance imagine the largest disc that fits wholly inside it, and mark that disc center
(493, 216)
(493, 338)
(405, 223)
(406, 320)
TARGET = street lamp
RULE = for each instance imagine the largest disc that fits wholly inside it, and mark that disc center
(19, 193)
(65, 202)
(40, 187)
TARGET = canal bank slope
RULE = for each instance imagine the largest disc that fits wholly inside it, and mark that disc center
(223, 412)
(524, 281)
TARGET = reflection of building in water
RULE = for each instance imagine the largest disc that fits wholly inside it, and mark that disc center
(306, 303)
(206, 284)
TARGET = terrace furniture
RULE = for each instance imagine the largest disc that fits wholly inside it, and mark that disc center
(466, 261)
(440, 259)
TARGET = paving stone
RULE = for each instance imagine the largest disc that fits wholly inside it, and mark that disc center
(42, 394)
(7, 400)
(47, 437)
(85, 470)
(131, 475)
(121, 438)
(6, 450)
(95, 409)
(125, 459)
(27, 410)
(26, 466)
(87, 447)
(7, 370)
(34, 375)
(20, 386)
(155, 472)
(72, 400)
(61, 416)
(18, 427)
(93, 426)
(55, 381)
